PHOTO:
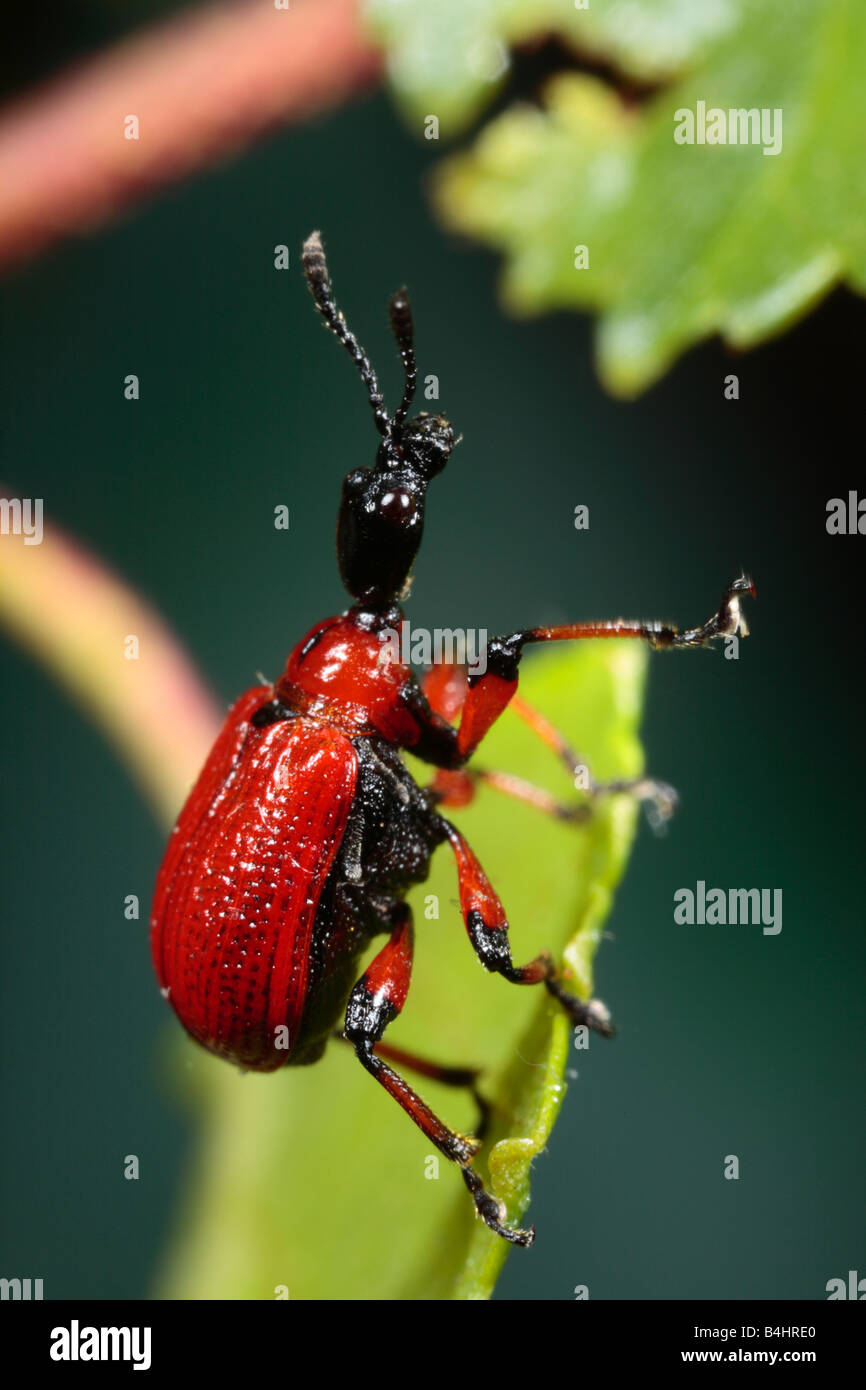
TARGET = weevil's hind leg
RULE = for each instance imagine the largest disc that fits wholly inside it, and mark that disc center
(660, 798)
(487, 926)
(375, 1001)
(464, 1078)
(446, 687)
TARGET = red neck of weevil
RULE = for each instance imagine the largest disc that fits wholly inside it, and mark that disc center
(347, 672)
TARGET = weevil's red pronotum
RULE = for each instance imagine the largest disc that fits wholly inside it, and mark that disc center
(305, 830)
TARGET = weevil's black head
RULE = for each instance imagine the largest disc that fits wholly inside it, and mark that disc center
(381, 518)
(382, 510)
(426, 443)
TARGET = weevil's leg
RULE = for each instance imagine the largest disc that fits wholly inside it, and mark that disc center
(457, 788)
(527, 792)
(446, 686)
(464, 1078)
(727, 620)
(662, 799)
(487, 926)
(375, 1001)
(489, 693)
(452, 787)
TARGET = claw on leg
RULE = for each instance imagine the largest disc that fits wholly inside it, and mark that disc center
(593, 1013)
(492, 1211)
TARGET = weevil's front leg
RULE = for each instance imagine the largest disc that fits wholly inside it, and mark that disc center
(487, 694)
(375, 1001)
(727, 620)
(487, 926)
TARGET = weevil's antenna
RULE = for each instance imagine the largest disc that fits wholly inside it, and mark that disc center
(319, 281)
(401, 326)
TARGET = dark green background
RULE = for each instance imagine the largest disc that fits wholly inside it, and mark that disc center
(730, 1042)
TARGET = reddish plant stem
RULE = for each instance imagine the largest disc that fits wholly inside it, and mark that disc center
(202, 86)
(78, 619)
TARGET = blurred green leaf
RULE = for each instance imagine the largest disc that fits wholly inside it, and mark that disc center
(313, 1178)
(450, 59)
(683, 240)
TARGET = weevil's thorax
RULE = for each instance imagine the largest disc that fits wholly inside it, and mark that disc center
(347, 671)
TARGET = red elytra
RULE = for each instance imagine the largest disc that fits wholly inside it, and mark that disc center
(238, 891)
(305, 830)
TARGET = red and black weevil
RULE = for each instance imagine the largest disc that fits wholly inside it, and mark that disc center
(304, 831)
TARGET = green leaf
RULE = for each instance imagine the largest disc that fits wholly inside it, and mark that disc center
(313, 1178)
(450, 59)
(684, 240)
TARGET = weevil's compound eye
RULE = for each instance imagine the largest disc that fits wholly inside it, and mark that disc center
(398, 507)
